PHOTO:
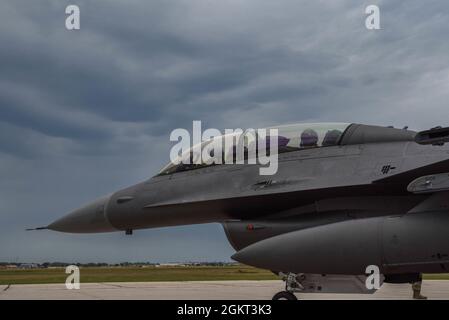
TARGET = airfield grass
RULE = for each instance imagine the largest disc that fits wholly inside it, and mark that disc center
(135, 274)
(436, 276)
(147, 274)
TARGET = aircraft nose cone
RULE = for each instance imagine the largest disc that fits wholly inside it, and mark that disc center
(90, 218)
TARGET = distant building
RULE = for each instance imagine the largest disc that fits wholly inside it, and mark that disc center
(28, 266)
(171, 265)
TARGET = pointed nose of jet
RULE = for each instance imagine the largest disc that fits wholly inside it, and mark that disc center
(90, 218)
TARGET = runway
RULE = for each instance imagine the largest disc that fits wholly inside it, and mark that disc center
(201, 290)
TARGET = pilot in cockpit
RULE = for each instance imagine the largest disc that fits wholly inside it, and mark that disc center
(331, 138)
(309, 139)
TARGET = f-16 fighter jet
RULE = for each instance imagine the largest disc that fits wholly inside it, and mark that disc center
(346, 198)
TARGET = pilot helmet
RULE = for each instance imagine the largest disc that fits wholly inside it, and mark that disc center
(309, 138)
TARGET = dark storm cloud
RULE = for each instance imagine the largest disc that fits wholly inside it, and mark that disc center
(84, 113)
(133, 65)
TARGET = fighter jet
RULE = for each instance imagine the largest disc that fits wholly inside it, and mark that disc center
(345, 197)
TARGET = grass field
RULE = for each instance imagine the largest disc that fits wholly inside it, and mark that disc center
(437, 276)
(135, 274)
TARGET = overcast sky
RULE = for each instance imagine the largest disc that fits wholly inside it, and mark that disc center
(84, 113)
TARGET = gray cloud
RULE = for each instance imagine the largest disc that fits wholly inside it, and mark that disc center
(84, 113)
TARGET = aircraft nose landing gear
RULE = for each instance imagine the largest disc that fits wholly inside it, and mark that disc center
(322, 283)
(284, 295)
(292, 284)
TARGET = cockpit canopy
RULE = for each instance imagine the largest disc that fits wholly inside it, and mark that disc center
(309, 135)
(291, 137)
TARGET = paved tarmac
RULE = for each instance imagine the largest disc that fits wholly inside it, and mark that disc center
(199, 290)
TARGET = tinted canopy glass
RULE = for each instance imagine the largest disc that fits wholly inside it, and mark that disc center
(291, 137)
(309, 135)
